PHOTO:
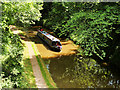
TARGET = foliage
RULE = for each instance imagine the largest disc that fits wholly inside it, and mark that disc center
(55, 16)
(23, 13)
(11, 57)
(94, 26)
(48, 80)
(94, 31)
(59, 13)
(88, 73)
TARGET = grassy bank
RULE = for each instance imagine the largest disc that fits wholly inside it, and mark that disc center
(29, 79)
(46, 75)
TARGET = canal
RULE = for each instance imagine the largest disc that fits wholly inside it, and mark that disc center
(72, 71)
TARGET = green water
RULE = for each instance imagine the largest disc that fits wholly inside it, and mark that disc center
(73, 72)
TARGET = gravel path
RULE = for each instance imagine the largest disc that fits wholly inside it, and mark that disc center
(40, 82)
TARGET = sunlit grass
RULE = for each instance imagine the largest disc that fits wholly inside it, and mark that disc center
(29, 78)
(46, 75)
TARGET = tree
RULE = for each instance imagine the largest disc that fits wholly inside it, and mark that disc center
(24, 13)
(94, 26)
(20, 13)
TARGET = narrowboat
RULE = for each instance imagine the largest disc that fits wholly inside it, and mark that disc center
(53, 42)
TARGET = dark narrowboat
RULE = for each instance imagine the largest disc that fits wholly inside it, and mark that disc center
(53, 42)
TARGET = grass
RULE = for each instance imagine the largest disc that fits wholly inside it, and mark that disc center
(29, 79)
(46, 75)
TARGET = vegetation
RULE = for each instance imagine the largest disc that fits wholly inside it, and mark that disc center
(11, 54)
(21, 13)
(28, 74)
(50, 83)
(11, 58)
(94, 26)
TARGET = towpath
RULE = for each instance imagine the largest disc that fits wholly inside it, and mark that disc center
(67, 48)
(40, 82)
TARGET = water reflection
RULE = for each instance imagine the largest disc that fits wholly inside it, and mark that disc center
(74, 72)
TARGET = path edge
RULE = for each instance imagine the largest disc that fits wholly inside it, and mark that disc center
(46, 75)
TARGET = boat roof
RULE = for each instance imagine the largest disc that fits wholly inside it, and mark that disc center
(49, 36)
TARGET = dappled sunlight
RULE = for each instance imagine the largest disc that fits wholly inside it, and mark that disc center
(16, 32)
(60, 64)
(36, 69)
(68, 47)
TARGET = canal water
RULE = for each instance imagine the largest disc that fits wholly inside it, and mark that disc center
(73, 71)
(77, 72)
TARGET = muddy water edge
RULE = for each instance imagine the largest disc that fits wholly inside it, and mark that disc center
(72, 71)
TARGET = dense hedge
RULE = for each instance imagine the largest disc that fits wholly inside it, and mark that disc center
(12, 52)
(94, 26)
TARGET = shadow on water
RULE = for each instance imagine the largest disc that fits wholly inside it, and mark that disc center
(57, 68)
(72, 72)
(109, 66)
(38, 40)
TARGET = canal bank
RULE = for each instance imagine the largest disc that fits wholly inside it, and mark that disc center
(45, 74)
(42, 76)
(72, 71)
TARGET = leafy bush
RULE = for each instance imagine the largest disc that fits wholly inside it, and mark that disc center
(59, 13)
(11, 60)
(94, 26)
(94, 30)
(24, 13)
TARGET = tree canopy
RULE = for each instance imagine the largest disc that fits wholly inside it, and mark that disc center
(15, 13)
(21, 12)
(94, 26)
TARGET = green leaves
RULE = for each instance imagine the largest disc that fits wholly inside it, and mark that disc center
(94, 26)
(21, 12)
(11, 57)
(15, 71)
(94, 31)
(16, 13)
